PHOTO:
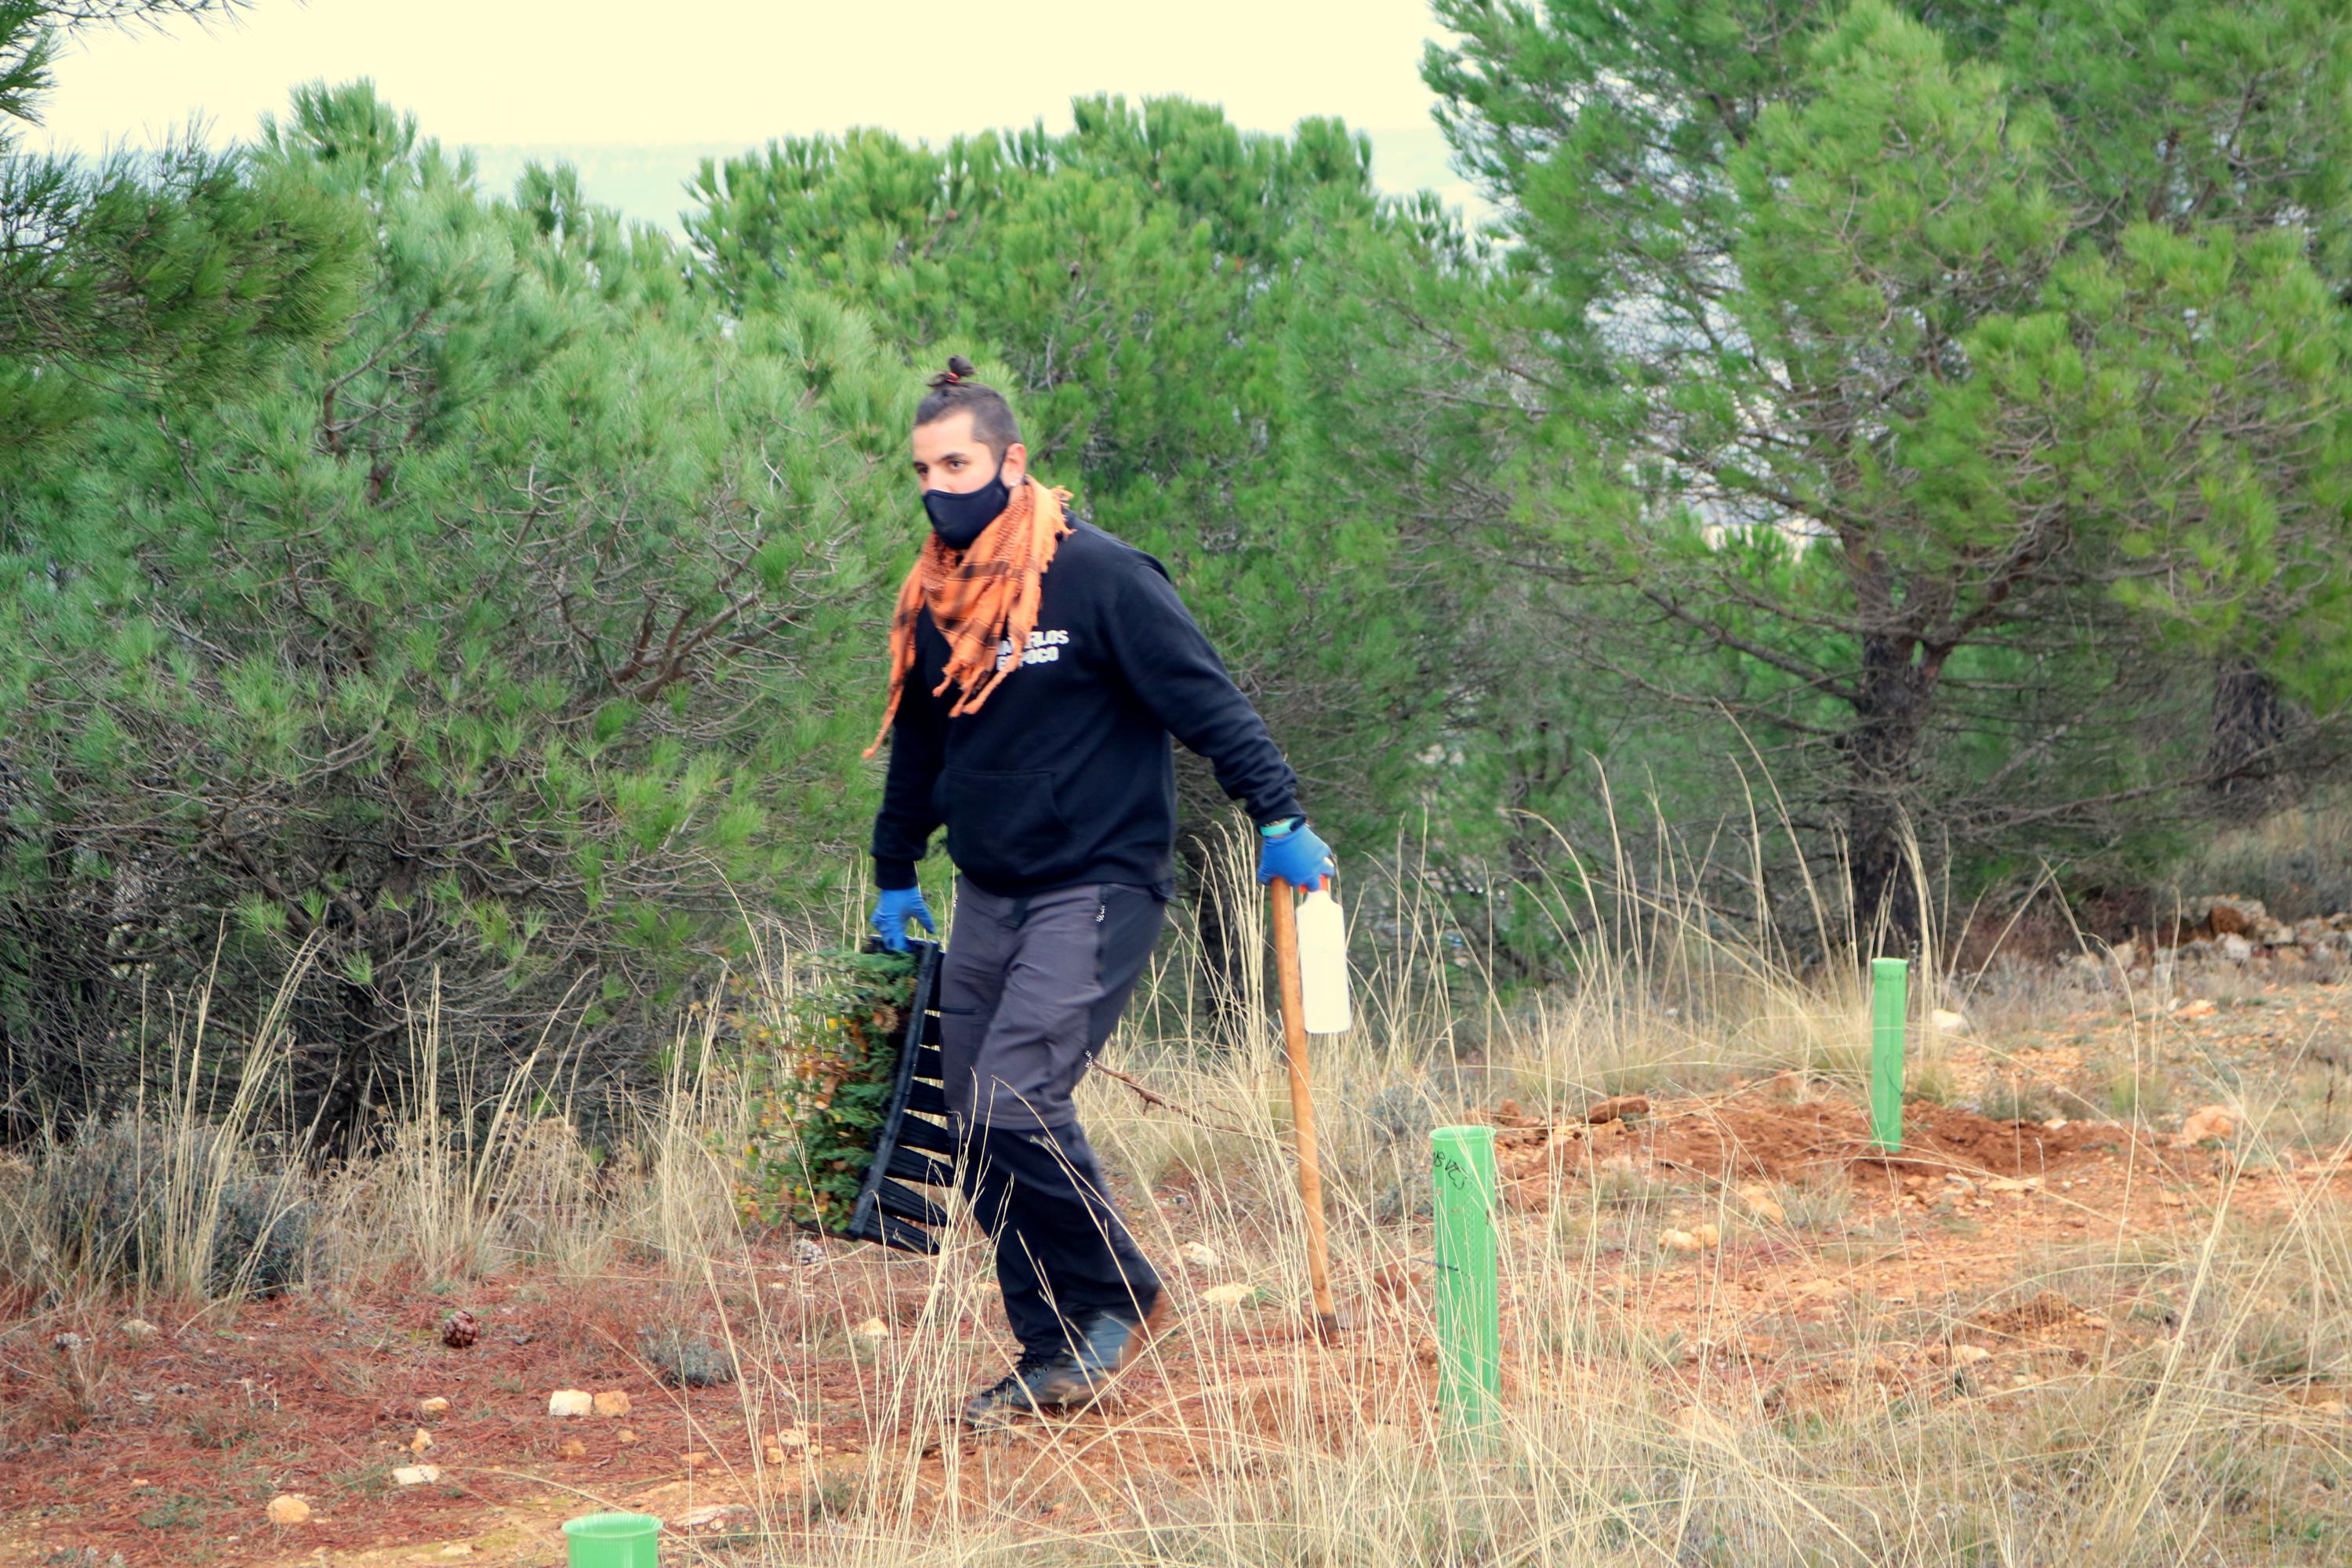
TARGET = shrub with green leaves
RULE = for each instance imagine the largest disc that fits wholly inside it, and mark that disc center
(819, 1068)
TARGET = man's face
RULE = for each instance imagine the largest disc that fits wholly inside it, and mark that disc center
(948, 456)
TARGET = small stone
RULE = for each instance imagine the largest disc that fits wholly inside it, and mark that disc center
(2172, 1199)
(695, 1460)
(624, 1436)
(707, 1515)
(1948, 1022)
(422, 1441)
(436, 1405)
(288, 1509)
(612, 1402)
(807, 1250)
(137, 1328)
(1968, 1355)
(2232, 915)
(1763, 1205)
(415, 1475)
(2206, 1122)
(1201, 1255)
(790, 1438)
(2014, 1185)
(66, 1342)
(774, 1456)
(2202, 1007)
(872, 1329)
(1617, 1107)
(1681, 1241)
(1960, 1186)
(572, 1448)
(2235, 948)
(570, 1402)
(1706, 1236)
(1228, 1295)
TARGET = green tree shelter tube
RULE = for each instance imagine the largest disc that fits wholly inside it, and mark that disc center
(1469, 1307)
(613, 1541)
(1890, 985)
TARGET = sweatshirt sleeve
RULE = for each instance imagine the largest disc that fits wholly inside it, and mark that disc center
(908, 818)
(1171, 667)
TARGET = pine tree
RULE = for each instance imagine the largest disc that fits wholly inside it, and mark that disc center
(1132, 286)
(1930, 395)
(487, 662)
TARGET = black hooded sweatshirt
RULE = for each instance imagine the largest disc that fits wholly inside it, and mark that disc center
(1065, 776)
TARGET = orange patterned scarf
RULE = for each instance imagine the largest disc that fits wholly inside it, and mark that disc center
(980, 598)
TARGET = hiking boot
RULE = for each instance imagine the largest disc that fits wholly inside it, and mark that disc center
(1036, 1383)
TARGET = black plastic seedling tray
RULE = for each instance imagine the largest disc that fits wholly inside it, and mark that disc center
(913, 1147)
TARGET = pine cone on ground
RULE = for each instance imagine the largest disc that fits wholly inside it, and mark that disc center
(460, 1328)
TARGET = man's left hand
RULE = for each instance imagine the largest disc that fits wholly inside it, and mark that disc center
(1295, 856)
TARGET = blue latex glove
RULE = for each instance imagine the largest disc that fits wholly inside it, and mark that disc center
(894, 908)
(1295, 856)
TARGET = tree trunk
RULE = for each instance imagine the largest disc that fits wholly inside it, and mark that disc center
(2249, 722)
(1890, 711)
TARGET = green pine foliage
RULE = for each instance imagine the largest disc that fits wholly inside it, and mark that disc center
(1132, 287)
(487, 657)
(1924, 404)
(818, 1068)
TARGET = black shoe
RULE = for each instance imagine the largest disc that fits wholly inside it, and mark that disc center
(1036, 1385)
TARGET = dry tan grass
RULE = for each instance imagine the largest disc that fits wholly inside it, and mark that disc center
(2197, 1437)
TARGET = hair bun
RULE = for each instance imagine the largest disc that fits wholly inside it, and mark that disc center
(957, 372)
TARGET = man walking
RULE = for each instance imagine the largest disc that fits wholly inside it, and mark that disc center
(1038, 670)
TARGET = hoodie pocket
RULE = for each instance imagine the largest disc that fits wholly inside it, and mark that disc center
(1004, 828)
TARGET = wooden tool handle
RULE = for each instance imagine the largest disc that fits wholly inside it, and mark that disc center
(1302, 1105)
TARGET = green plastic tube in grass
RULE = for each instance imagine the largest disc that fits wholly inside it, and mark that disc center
(1469, 1307)
(1890, 985)
(613, 1541)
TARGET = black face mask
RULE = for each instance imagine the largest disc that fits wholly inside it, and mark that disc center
(959, 520)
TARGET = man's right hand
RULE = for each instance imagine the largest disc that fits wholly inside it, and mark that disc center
(894, 908)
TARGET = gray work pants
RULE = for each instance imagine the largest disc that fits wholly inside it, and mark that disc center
(1030, 989)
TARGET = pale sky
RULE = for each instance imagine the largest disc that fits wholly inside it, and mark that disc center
(626, 88)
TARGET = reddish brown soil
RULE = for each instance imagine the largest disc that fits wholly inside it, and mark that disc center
(1747, 1137)
(166, 1449)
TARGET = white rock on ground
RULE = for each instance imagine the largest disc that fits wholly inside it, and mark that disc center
(288, 1509)
(415, 1475)
(612, 1402)
(707, 1515)
(872, 1329)
(1201, 1255)
(422, 1441)
(1948, 1022)
(1228, 1295)
(436, 1405)
(570, 1402)
(138, 1328)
